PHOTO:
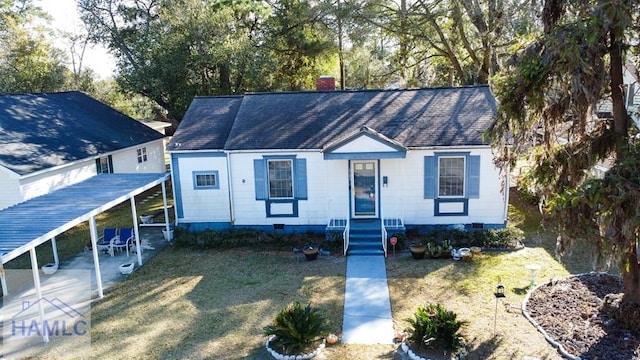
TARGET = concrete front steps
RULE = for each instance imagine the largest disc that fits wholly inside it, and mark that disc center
(365, 238)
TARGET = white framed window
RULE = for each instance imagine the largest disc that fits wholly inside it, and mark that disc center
(280, 173)
(451, 176)
(142, 155)
(206, 180)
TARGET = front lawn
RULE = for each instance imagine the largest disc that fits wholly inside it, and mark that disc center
(214, 303)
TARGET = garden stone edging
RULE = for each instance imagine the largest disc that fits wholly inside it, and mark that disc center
(413, 355)
(276, 355)
(548, 337)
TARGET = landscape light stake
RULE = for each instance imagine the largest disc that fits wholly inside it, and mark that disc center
(499, 294)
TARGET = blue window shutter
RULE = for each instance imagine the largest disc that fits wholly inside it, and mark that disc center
(110, 160)
(430, 177)
(474, 177)
(260, 179)
(300, 172)
(98, 166)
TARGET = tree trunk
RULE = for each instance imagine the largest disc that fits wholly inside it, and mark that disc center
(630, 266)
(620, 117)
(631, 276)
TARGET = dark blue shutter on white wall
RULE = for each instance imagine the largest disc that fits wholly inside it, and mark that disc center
(260, 179)
(429, 177)
(110, 160)
(300, 173)
(474, 177)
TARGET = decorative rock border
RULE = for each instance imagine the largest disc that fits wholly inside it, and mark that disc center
(551, 341)
(276, 355)
(405, 347)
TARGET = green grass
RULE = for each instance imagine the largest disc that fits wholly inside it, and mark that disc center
(74, 241)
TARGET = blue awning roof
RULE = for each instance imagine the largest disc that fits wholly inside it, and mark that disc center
(33, 222)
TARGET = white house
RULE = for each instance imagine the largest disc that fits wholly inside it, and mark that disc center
(298, 161)
(52, 140)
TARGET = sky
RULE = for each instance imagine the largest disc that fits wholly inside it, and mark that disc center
(66, 18)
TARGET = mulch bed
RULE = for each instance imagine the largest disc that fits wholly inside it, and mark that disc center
(569, 311)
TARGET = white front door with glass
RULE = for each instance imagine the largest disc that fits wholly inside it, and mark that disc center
(364, 177)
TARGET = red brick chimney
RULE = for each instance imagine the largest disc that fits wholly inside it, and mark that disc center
(324, 83)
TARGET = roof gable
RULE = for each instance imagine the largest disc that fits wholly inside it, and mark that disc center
(365, 141)
(40, 131)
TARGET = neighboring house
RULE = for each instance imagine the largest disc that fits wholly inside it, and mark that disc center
(631, 93)
(52, 140)
(159, 126)
(321, 160)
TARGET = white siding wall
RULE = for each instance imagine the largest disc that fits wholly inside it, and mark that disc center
(327, 188)
(15, 190)
(10, 193)
(328, 193)
(490, 207)
(126, 161)
(52, 180)
(405, 193)
(337, 190)
(204, 205)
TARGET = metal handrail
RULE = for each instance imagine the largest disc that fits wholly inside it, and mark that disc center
(384, 232)
(345, 237)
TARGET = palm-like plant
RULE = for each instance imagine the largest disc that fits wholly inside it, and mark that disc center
(434, 326)
(297, 328)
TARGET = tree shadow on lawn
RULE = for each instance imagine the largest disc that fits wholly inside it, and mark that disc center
(526, 216)
(485, 348)
(190, 304)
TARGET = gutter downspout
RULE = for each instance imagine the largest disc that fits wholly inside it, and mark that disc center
(507, 185)
(232, 219)
(173, 193)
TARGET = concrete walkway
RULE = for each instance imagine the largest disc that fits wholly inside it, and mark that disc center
(367, 307)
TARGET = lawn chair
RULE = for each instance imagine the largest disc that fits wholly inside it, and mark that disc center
(104, 242)
(124, 241)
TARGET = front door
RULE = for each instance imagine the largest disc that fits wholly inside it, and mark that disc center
(365, 189)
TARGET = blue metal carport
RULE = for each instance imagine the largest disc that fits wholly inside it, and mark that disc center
(26, 225)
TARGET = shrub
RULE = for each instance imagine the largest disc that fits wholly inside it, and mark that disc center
(507, 238)
(433, 326)
(296, 328)
(242, 239)
(503, 238)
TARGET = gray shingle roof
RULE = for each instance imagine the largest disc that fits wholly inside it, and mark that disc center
(313, 120)
(206, 124)
(39, 131)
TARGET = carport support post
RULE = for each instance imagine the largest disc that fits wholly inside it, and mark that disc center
(36, 282)
(55, 250)
(3, 280)
(164, 202)
(136, 233)
(93, 230)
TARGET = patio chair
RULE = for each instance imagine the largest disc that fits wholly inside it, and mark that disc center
(104, 241)
(124, 241)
